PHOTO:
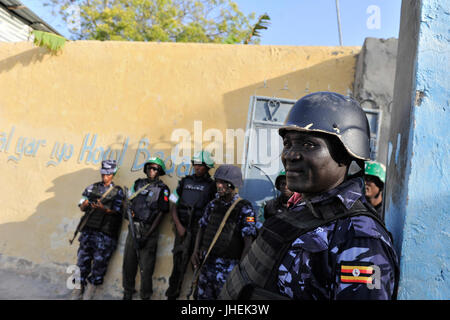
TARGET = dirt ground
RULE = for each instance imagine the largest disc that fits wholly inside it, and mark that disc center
(20, 287)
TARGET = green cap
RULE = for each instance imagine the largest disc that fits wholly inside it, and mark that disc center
(157, 161)
(376, 169)
(203, 157)
(277, 180)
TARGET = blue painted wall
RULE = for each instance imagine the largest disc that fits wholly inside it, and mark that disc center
(418, 198)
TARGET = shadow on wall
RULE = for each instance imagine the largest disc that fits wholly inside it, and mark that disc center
(325, 76)
(44, 235)
(25, 58)
(41, 243)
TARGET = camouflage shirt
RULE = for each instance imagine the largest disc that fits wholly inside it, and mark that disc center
(351, 258)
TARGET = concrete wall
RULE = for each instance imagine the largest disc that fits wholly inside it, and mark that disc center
(374, 85)
(59, 114)
(418, 182)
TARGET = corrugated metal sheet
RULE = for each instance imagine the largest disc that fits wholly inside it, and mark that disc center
(17, 9)
(12, 29)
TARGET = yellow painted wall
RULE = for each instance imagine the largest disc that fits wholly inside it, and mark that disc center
(125, 93)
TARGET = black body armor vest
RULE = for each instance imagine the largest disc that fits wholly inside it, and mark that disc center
(230, 243)
(145, 205)
(256, 276)
(273, 207)
(196, 192)
(107, 223)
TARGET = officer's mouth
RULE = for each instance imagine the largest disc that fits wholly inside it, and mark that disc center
(294, 173)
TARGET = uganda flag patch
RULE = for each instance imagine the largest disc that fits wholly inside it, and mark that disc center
(356, 272)
(250, 219)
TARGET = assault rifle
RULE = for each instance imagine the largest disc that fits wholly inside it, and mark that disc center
(185, 244)
(213, 242)
(84, 219)
(131, 228)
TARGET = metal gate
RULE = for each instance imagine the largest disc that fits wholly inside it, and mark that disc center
(263, 146)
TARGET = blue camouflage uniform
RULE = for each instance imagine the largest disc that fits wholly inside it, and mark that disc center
(215, 270)
(340, 260)
(96, 247)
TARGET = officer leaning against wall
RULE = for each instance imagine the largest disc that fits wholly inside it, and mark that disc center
(374, 177)
(102, 202)
(148, 207)
(193, 193)
(330, 244)
(233, 241)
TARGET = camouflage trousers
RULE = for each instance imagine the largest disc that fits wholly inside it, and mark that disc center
(213, 276)
(94, 253)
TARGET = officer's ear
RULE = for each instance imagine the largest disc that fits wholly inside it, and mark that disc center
(337, 150)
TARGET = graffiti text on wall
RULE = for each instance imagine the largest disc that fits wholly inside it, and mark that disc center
(90, 152)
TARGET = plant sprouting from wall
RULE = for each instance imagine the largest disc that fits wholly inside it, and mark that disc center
(51, 41)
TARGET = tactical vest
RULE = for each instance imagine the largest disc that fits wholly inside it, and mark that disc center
(255, 278)
(230, 243)
(195, 193)
(107, 223)
(145, 205)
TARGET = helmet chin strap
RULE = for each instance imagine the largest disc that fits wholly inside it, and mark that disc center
(378, 194)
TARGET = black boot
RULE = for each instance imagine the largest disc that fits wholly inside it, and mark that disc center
(127, 295)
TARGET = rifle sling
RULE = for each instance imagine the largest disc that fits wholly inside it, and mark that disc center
(138, 192)
(219, 231)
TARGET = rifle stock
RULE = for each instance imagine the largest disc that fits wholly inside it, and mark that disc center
(194, 283)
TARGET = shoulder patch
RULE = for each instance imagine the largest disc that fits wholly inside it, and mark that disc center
(356, 272)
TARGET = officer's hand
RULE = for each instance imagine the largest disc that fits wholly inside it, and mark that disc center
(195, 260)
(98, 205)
(181, 230)
(84, 205)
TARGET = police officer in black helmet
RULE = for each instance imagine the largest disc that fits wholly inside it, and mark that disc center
(330, 244)
(233, 241)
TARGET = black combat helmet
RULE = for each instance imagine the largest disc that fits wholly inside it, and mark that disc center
(334, 114)
(229, 173)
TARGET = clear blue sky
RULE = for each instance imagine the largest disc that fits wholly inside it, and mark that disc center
(302, 22)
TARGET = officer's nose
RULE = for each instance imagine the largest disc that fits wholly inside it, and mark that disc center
(291, 155)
